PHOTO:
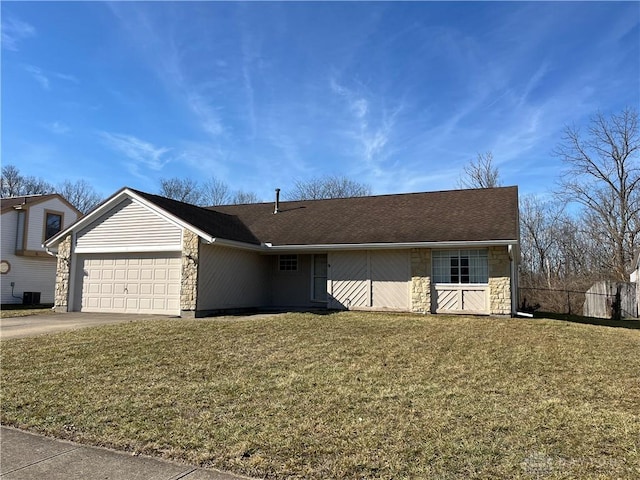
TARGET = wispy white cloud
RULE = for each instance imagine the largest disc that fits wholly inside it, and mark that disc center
(371, 130)
(14, 31)
(39, 76)
(206, 113)
(165, 57)
(249, 56)
(44, 78)
(64, 76)
(141, 152)
(57, 128)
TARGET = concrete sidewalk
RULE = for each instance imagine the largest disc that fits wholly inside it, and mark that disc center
(26, 456)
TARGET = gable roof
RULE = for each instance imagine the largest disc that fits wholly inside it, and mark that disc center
(28, 200)
(480, 215)
(216, 224)
(455, 216)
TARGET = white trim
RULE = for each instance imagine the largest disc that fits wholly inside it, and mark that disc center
(388, 246)
(234, 243)
(130, 249)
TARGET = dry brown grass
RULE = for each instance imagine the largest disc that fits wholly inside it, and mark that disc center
(350, 395)
(7, 311)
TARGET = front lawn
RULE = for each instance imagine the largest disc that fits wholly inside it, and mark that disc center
(349, 395)
(17, 310)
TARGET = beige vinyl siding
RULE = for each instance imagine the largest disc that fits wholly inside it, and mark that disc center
(132, 227)
(29, 274)
(460, 299)
(377, 280)
(36, 221)
(231, 278)
(390, 279)
(349, 284)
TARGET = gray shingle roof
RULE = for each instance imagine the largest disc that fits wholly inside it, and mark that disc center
(215, 223)
(456, 215)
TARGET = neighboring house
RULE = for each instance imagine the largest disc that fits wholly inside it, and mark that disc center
(451, 251)
(28, 273)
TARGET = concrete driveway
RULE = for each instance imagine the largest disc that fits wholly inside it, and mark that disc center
(18, 327)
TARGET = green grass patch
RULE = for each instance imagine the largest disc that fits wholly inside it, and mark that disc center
(349, 395)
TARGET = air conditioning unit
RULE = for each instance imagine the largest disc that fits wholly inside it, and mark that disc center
(30, 298)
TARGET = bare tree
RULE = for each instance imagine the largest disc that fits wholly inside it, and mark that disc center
(182, 189)
(539, 228)
(14, 184)
(80, 194)
(328, 187)
(241, 197)
(480, 173)
(11, 181)
(603, 175)
(215, 192)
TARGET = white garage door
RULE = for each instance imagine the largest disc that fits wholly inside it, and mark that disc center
(130, 283)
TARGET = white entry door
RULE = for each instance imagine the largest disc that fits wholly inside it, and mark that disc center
(130, 283)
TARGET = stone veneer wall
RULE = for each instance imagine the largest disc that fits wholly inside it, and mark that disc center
(420, 280)
(189, 286)
(63, 276)
(499, 281)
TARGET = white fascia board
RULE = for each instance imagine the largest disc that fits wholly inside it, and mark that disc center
(130, 249)
(390, 246)
(235, 244)
(115, 200)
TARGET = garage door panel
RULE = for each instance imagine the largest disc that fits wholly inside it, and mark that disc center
(130, 283)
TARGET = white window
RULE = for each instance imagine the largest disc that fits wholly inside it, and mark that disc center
(288, 263)
(460, 266)
(319, 278)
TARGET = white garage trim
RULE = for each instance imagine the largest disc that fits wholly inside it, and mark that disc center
(149, 248)
(146, 283)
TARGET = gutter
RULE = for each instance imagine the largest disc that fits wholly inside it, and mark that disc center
(388, 246)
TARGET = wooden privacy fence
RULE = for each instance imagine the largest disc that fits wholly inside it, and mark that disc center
(608, 299)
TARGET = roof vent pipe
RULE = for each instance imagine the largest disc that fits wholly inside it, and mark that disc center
(277, 208)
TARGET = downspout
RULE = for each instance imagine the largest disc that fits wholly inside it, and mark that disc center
(514, 280)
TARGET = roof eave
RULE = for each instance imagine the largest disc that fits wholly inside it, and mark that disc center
(390, 245)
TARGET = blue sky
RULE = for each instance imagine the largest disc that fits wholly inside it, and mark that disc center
(397, 95)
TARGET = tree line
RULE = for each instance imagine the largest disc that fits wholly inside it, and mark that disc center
(213, 191)
(210, 192)
(587, 228)
(79, 193)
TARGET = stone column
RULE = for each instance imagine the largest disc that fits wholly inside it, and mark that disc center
(420, 280)
(499, 281)
(63, 276)
(189, 286)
